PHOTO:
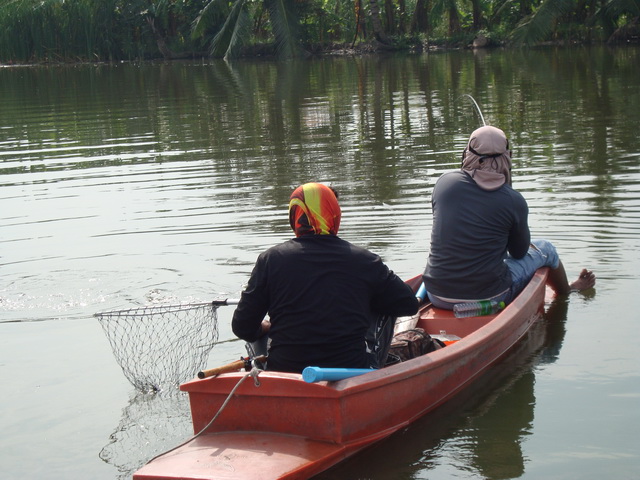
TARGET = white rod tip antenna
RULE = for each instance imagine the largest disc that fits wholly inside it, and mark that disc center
(478, 108)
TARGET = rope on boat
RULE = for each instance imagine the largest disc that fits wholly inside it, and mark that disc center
(255, 371)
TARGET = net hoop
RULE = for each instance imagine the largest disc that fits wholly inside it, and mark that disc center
(153, 310)
(161, 346)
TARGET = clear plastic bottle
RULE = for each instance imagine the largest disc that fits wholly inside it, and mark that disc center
(476, 309)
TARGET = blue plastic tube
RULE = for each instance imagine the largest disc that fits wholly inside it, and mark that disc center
(318, 374)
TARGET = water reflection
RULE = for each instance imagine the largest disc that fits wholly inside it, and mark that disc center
(151, 424)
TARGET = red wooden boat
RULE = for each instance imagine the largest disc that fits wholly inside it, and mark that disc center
(281, 427)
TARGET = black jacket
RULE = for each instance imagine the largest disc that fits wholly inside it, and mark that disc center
(322, 294)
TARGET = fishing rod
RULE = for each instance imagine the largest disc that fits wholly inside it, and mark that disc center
(478, 108)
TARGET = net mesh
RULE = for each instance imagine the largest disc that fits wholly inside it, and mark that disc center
(161, 346)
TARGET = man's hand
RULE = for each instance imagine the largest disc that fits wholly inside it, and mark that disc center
(265, 326)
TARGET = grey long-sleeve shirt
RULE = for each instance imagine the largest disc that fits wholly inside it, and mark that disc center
(473, 229)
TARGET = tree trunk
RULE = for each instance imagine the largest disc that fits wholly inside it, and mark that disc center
(477, 15)
(361, 29)
(454, 20)
(420, 20)
(389, 15)
(402, 9)
(376, 24)
(160, 40)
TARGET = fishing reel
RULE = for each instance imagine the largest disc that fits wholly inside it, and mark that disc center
(257, 353)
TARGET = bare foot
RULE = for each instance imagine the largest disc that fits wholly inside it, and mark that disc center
(585, 281)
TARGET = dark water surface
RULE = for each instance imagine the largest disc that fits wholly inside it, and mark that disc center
(126, 185)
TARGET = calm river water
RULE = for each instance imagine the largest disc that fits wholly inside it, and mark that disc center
(127, 184)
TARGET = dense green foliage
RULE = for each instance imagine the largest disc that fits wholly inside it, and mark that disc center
(111, 30)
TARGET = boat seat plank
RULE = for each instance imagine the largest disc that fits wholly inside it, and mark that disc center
(241, 456)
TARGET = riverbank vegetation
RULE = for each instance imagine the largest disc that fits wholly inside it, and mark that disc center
(116, 30)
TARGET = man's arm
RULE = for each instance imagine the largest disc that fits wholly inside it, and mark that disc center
(519, 236)
(252, 308)
(394, 297)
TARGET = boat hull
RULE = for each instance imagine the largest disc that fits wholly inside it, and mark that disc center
(280, 427)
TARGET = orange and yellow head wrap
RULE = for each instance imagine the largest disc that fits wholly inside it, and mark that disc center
(314, 210)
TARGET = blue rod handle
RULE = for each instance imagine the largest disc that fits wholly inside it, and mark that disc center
(317, 374)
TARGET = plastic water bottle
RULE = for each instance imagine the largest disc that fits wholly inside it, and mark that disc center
(476, 309)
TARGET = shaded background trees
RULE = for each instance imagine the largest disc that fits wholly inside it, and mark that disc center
(111, 30)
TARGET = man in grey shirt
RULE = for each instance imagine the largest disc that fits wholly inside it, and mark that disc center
(481, 247)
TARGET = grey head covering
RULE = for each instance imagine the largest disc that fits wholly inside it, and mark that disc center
(487, 158)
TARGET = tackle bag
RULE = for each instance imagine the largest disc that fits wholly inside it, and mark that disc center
(411, 344)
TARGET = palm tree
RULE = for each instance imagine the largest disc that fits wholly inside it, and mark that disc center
(476, 8)
(613, 11)
(376, 23)
(166, 20)
(622, 7)
(233, 26)
(537, 26)
(420, 20)
(450, 8)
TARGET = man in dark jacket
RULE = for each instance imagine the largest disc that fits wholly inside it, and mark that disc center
(481, 247)
(321, 293)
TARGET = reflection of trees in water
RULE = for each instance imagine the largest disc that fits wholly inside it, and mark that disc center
(479, 431)
(151, 424)
(369, 124)
(496, 431)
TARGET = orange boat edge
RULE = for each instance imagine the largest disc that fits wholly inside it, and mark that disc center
(277, 426)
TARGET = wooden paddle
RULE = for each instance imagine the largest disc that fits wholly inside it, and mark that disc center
(230, 367)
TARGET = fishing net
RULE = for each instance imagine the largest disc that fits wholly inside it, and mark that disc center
(161, 346)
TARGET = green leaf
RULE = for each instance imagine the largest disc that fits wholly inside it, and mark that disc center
(286, 27)
(233, 33)
(537, 26)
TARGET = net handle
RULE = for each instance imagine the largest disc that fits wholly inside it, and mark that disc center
(226, 301)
